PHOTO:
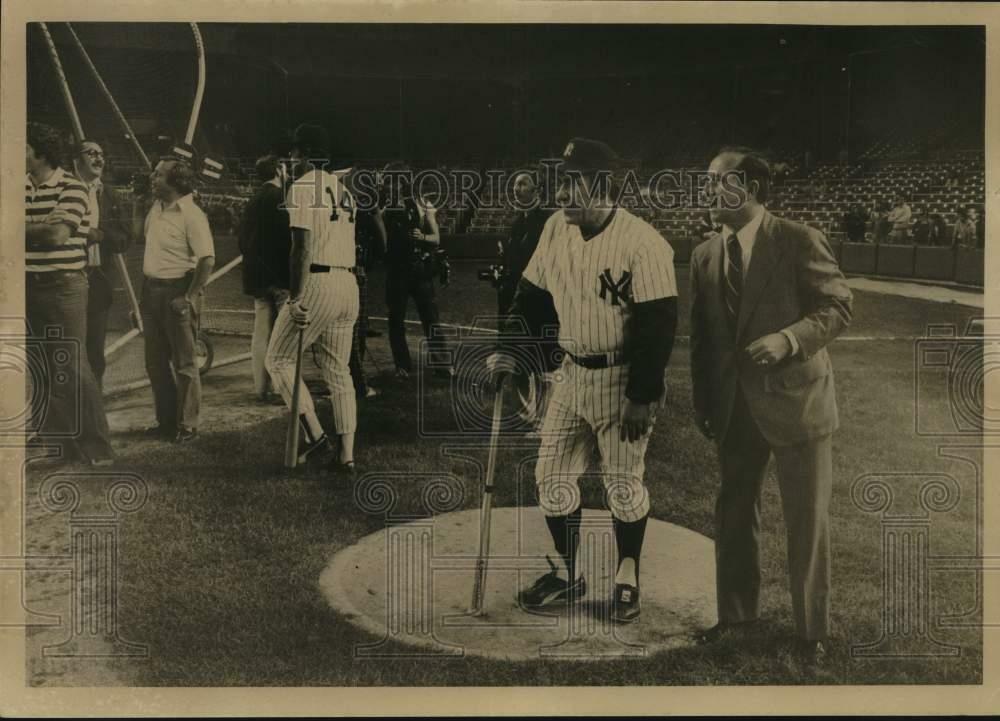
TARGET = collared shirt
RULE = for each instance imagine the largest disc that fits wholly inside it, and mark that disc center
(746, 237)
(93, 220)
(319, 202)
(60, 199)
(177, 236)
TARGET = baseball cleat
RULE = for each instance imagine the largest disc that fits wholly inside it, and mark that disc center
(314, 449)
(344, 470)
(625, 604)
(550, 590)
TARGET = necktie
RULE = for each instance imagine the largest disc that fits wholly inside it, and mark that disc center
(734, 278)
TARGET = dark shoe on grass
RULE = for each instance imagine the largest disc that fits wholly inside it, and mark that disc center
(340, 470)
(315, 450)
(185, 435)
(159, 431)
(721, 630)
(551, 591)
(810, 653)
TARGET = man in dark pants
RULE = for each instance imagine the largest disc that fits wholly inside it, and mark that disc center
(266, 243)
(767, 298)
(55, 257)
(107, 234)
(412, 236)
(370, 239)
(178, 259)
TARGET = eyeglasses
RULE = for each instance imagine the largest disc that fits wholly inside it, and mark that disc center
(94, 154)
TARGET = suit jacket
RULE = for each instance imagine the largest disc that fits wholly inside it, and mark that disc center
(114, 226)
(265, 240)
(793, 282)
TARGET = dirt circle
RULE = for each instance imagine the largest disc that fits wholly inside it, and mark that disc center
(410, 585)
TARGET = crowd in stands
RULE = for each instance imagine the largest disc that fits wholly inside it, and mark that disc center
(901, 224)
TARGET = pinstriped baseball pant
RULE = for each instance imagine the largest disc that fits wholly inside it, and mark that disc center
(332, 301)
(583, 418)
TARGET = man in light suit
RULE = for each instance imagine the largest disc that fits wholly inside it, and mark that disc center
(767, 297)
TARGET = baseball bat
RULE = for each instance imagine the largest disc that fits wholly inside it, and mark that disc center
(486, 510)
(292, 436)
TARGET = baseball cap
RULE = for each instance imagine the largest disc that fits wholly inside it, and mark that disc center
(588, 156)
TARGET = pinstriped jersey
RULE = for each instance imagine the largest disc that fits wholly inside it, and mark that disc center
(319, 202)
(595, 282)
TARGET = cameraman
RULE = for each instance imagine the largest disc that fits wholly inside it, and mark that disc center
(515, 252)
(412, 244)
(369, 246)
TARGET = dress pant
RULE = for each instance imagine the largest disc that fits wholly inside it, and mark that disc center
(170, 351)
(99, 300)
(71, 409)
(359, 341)
(805, 475)
(400, 286)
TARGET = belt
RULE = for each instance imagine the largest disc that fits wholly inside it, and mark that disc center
(186, 278)
(599, 361)
(316, 268)
(52, 274)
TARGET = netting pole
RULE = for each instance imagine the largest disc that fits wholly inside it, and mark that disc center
(199, 93)
(63, 84)
(136, 315)
(107, 94)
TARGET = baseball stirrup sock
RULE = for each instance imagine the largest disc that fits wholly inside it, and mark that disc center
(628, 538)
(565, 531)
(310, 434)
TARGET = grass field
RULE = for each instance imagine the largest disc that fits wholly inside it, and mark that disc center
(219, 568)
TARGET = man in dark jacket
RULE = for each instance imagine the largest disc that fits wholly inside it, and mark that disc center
(107, 234)
(515, 252)
(265, 241)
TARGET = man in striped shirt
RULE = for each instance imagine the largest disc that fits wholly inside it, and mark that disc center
(56, 302)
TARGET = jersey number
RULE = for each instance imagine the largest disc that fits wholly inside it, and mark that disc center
(345, 205)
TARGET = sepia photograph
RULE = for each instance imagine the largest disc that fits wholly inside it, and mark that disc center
(568, 347)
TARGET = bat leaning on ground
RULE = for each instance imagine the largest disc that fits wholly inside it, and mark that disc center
(486, 510)
(292, 435)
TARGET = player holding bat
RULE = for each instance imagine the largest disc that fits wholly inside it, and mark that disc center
(323, 304)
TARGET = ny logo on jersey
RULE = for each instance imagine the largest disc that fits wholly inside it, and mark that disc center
(619, 289)
(345, 204)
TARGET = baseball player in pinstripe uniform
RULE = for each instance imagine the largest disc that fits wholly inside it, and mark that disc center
(611, 277)
(324, 296)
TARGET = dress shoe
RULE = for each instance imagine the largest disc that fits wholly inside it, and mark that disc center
(720, 631)
(184, 435)
(810, 653)
(159, 431)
